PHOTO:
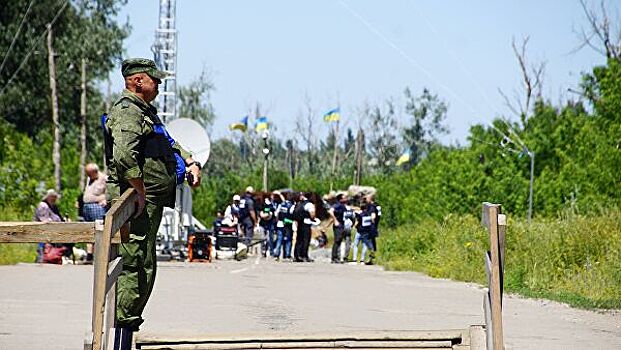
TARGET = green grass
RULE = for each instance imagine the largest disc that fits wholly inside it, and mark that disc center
(13, 253)
(576, 260)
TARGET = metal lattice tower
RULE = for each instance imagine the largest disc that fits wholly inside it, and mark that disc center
(165, 51)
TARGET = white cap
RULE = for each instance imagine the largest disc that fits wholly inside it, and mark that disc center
(236, 197)
(249, 189)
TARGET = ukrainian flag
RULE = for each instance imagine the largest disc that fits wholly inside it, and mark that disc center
(261, 124)
(405, 157)
(333, 115)
(242, 125)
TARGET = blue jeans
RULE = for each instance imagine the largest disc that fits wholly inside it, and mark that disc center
(367, 244)
(283, 239)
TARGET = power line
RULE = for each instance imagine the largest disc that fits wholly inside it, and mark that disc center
(21, 24)
(411, 60)
(34, 46)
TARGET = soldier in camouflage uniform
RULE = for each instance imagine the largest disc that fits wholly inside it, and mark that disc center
(142, 156)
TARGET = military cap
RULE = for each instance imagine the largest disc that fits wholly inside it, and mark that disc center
(132, 66)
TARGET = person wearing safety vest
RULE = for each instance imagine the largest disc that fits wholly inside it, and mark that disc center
(247, 215)
(364, 228)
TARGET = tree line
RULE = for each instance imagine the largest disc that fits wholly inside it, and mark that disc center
(576, 142)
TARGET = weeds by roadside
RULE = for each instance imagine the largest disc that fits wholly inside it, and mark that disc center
(574, 259)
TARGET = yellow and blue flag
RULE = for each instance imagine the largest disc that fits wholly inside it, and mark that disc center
(405, 157)
(333, 115)
(242, 125)
(261, 124)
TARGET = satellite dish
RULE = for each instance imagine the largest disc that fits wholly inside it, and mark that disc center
(192, 137)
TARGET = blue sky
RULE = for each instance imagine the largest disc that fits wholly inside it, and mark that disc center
(277, 52)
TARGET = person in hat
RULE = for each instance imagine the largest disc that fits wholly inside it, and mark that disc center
(145, 157)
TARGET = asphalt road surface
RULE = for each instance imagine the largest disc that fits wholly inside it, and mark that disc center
(48, 307)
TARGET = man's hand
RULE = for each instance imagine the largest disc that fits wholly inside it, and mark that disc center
(138, 185)
(103, 202)
(142, 198)
(196, 175)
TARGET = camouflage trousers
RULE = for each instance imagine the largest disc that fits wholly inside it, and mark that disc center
(135, 282)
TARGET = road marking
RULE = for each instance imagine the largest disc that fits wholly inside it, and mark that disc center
(240, 270)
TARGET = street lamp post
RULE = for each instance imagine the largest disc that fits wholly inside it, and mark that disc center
(266, 154)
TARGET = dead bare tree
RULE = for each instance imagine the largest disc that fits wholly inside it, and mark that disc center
(532, 82)
(599, 34)
(305, 130)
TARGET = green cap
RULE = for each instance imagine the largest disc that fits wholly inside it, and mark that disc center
(132, 66)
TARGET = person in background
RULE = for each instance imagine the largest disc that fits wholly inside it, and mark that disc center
(266, 214)
(217, 223)
(47, 211)
(376, 209)
(231, 213)
(247, 215)
(284, 226)
(304, 213)
(364, 228)
(337, 211)
(94, 205)
(349, 217)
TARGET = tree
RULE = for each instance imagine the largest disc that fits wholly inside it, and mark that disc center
(428, 114)
(194, 100)
(382, 136)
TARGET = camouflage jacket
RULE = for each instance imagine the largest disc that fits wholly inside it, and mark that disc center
(139, 152)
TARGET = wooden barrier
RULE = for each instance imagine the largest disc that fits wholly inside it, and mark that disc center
(496, 224)
(107, 264)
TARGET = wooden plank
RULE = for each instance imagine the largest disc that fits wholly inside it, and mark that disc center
(163, 338)
(494, 288)
(122, 210)
(502, 232)
(114, 269)
(488, 322)
(50, 232)
(101, 256)
(394, 344)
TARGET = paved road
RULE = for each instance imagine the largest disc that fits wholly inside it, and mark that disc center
(48, 307)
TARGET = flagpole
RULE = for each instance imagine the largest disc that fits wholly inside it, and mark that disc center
(335, 155)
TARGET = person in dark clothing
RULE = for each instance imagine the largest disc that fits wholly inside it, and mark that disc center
(247, 215)
(364, 228)
(304, 213)
(376, 209)
(337, 211)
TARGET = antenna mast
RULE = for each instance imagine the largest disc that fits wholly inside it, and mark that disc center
(165, 52)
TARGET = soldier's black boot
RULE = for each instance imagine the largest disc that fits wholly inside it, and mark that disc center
(123, 338)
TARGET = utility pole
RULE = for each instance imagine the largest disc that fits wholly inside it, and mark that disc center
(83, 125)
(359, 155)
(55, 117)
(266, 154)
